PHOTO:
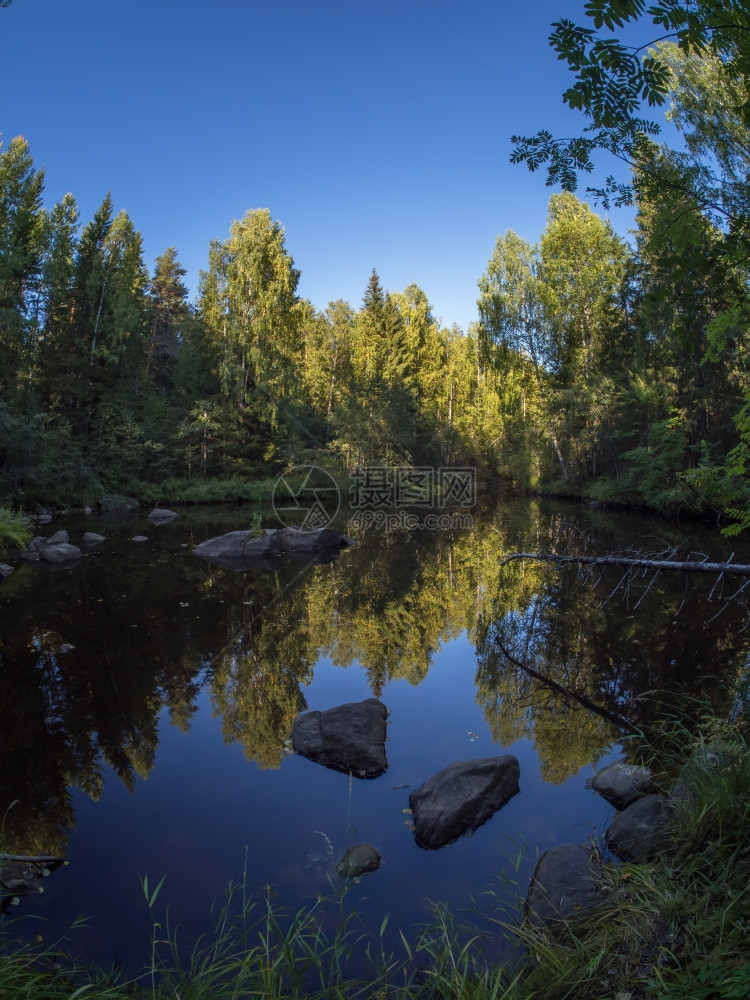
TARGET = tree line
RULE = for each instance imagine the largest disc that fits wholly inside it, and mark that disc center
(598, 366)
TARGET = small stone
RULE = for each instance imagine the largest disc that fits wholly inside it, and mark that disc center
(159, 516)
(5, 570)
(66, 648)
(359, 859)
(91, 538)
(139, 538)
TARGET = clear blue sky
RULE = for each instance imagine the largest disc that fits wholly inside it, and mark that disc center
(378, 134)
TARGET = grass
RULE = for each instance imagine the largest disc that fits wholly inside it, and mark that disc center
(672, 928)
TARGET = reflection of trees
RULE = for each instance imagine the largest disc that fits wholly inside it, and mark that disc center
(148, 635)
(605, 651)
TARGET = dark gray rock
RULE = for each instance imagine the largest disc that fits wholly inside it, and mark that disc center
(622, 783)
(139, 538)
(5, 570)
(237, 549)
(59, 553)
(92, 538)
(641, 830)
(59, 538)
(348, 738)
(462, 797)
(359, 859)
(564, 885)
(159, 516)
(55, 549)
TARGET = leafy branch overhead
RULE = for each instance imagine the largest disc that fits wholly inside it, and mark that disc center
(615, 78)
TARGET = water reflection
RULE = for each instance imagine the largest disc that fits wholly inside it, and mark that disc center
(92, 655)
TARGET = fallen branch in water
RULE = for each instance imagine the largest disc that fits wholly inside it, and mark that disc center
(685, 566)
(582, 700)
(33, 859)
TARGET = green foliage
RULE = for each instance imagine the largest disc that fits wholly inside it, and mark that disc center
(15, 530)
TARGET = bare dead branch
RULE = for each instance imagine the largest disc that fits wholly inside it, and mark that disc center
(682, 566)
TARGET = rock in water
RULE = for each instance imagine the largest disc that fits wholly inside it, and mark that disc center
(55, 549)
(564, 884)
(348, 738)
(358, 860)
(622, 783)
(462, 797)
(640, 831)
(92, 538)
(159, 516)
(241, 548)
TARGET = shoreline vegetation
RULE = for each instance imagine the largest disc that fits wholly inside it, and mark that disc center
(672, 927)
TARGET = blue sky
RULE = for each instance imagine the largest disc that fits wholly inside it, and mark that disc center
(378, 134)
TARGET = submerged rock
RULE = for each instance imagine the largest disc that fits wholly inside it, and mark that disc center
(348, 738)
(139, 538)
(564, 884)
(359, 859)
(641, 830)
(5, 570)
(622, 783)
(92, 538)
(237, 549)
(462, 797)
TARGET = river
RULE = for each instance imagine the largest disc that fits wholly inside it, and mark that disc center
(148, 697)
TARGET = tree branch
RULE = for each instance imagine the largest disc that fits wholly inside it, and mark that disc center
(682, 566)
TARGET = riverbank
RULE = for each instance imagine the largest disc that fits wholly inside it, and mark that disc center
(672, 927)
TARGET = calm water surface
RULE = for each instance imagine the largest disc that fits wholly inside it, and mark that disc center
(158, 744)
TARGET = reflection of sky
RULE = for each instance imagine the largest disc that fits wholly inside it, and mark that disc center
(203, 804)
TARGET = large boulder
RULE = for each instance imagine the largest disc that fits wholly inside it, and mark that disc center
(237, 549)
(641, 830)
(622, 783)
(348, 738)
(564, 885)
(462, 797)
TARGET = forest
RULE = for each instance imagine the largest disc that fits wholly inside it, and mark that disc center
(598, 366)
